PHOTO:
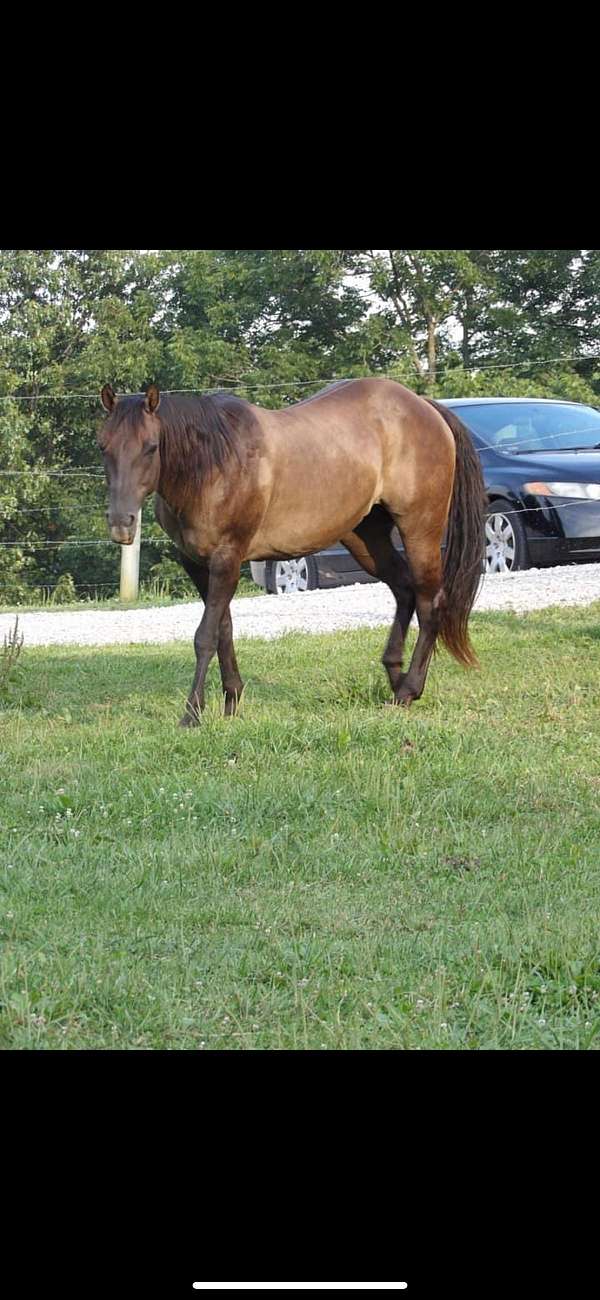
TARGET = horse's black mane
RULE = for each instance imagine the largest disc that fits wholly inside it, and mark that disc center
(198, 434)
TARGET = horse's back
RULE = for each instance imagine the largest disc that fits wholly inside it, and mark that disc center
(375, 423)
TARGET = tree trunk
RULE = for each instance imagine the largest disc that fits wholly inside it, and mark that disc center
(431, 352)
(466, 321)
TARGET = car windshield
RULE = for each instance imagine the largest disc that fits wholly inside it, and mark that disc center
(533, 426)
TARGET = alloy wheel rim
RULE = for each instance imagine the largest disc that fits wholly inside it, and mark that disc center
(290, 576)
(500, 544)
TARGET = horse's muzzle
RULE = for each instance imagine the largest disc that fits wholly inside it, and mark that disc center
(122, 535)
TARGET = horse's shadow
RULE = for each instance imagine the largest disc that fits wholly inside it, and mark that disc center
(91, 686)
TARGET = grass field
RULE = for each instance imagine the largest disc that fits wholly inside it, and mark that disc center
(318, 873)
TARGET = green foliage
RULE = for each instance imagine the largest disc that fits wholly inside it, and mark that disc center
(65, 591)
(12, 645)
(546, 382)
(168, 578)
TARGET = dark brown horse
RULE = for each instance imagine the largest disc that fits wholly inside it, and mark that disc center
(235, 482)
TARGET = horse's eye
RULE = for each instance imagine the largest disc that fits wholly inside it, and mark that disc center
(150, 448)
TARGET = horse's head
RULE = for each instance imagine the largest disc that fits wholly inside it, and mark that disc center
(129, 440)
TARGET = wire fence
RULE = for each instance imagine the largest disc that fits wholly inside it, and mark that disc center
(77, 541)
(254, 384)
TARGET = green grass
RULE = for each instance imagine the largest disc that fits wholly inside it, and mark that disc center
(321, 872)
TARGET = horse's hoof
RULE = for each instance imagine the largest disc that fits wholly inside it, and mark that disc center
(189, 720)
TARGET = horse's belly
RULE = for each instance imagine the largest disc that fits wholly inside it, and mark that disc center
(306, 528)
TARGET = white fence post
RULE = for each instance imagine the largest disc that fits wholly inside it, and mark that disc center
(130, 564)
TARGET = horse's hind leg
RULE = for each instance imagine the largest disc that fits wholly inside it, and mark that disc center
(405, 608)
(230, 675)
(371, 545)
(423, 551)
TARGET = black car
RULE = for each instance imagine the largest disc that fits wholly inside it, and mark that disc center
(541, 466)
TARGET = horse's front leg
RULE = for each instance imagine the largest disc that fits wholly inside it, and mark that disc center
(230, 673)
(223, 577)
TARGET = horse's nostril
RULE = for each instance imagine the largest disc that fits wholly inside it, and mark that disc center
(131, 519)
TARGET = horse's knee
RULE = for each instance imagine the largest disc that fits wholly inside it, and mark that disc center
(205, 642)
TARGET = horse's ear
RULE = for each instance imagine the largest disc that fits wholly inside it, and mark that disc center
(152, 401)
(108, 398)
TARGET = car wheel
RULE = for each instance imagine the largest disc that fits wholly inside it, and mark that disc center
(505, 544)
(286, 576)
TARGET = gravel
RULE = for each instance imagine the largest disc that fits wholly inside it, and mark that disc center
(365, 605)
(360, 605)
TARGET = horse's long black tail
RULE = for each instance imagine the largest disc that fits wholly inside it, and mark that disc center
(465, 545)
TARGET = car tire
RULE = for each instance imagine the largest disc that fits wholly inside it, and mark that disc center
(505, 541)
(284, 577)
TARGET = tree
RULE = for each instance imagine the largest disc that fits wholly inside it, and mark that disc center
(260, 317)
(69, 320)
(421, 290)
(531, 309)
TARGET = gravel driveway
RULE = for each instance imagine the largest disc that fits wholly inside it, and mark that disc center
(362, 605)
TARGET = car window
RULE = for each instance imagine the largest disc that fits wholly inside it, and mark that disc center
(535, 426)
